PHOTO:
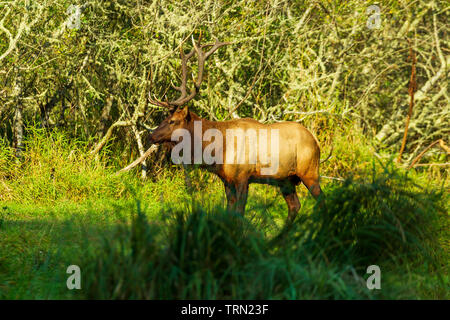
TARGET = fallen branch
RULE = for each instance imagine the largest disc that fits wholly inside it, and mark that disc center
(108, 134)
(332, 178)
(441, 144)
(142, 158)
(432, 164)
(132, 119)
(141, 150)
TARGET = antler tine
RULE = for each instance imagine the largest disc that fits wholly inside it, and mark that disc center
(216, 46)
(158, 103)
(202, 56)
(174, 86)
(184, 72)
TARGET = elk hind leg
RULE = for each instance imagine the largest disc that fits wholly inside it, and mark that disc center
(312, 183)
(290, 195)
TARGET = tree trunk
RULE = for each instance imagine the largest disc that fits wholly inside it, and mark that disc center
(18, 131)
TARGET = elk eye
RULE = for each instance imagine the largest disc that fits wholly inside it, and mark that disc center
(171, 121)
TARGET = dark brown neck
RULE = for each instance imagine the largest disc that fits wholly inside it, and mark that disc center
(206, 124)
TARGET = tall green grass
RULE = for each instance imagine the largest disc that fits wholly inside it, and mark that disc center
(54, 168)
(57, 169)
(214, 255)
(61, 206)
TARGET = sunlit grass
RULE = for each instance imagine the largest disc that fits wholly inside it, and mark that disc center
(60, 206)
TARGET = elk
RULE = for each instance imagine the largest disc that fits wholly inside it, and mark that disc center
(298, 149)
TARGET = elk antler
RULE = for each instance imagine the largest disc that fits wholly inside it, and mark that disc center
(202, 56)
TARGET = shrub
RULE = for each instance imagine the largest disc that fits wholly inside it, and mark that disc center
(214, 255)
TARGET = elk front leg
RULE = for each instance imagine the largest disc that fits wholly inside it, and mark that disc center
(236, 196)
(241, 195)
(230, 192)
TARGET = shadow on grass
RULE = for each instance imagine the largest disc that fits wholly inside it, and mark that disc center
(36, 251)
(198, 251)
(209, 254)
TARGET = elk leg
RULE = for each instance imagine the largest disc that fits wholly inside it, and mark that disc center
(230, 192)
(313, 186)
(241, 194)
(290, 195)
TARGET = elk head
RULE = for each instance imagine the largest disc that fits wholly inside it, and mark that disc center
(181, 117)
(177, 120)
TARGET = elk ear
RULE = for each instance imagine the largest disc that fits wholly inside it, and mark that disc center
(185, 113)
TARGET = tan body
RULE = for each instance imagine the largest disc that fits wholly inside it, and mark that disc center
(299, 151)
(299, 158)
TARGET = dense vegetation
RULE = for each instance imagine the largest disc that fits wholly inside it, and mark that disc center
(74, 111)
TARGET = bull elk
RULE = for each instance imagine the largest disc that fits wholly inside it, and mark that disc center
(298, 150)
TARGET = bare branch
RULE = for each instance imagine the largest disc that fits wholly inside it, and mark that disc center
(411, 89)
(108, 134)
(441, 144)
(149, 151)
(23, 27)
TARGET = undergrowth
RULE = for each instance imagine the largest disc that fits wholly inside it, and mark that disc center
(215, 255)
(153, 239)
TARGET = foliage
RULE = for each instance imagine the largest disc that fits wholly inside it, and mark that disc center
(315, 62)
(69, 92)
(176, 244)
(214, 255)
